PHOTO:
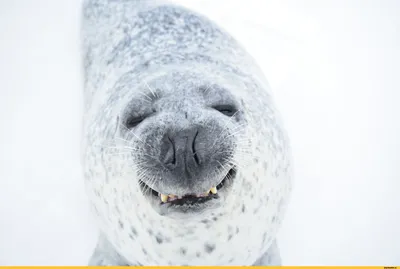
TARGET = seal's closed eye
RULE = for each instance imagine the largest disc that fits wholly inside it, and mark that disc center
(136, 112)
(228, 110)
(134, 121)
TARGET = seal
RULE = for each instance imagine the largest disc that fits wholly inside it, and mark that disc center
(185, 157)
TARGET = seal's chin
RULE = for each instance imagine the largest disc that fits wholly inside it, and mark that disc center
(189, 200)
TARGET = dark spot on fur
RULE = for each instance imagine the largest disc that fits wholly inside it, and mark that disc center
(117, 209)
(150, 232)
(159, 239)
(205, 221)
(198, 255)
(252, 196)
(134, 230)
(131, 236)
(230, 237)
(255, 160)
(237, 230)
(209, 247)
(144, 251)
(183, 251)
(231, 260)
(215, 218)
(121, 224)
(273, 218)
(243, 208)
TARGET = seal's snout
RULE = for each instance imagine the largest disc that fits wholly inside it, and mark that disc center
(193, 164)
(179, 153)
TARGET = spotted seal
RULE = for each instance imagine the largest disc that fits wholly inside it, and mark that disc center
(185, 158)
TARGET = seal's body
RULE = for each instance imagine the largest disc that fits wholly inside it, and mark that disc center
(185, 158)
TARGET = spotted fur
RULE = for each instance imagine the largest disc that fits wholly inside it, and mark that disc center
(146, 56)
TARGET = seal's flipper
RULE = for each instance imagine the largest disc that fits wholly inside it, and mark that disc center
(271, 257)
(105, 255)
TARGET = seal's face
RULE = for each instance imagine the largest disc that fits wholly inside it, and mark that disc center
(184, 141)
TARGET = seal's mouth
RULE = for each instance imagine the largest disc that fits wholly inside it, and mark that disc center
(188, 199)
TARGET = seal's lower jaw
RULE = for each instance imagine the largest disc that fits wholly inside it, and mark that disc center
(190, 203)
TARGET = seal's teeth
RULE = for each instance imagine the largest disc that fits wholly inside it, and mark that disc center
(171, 196)
(206, 193)
(213, 190)
(164, 198)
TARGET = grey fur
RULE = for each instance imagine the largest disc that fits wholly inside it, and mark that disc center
(171, 68)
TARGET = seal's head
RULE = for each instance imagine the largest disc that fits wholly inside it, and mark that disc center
(182, 136)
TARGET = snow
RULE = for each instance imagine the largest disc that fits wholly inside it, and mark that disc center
(333, 67)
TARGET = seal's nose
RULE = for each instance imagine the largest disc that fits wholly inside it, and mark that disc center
(179, 153)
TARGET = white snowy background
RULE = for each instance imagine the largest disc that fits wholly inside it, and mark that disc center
(334, 67)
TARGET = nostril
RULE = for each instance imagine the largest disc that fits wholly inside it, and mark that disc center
(172, 150)
(168, 152)
(194, 150)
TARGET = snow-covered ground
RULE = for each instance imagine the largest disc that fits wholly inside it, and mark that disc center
(334, 67)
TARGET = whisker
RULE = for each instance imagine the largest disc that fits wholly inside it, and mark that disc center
(141, 140)
(150, 89)
(229, 121)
